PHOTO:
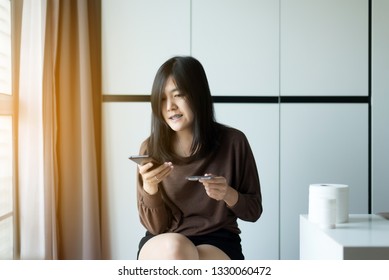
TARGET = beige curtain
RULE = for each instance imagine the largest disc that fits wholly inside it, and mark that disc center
(69, 193)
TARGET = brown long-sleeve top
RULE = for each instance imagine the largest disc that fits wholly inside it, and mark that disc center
(183, 206)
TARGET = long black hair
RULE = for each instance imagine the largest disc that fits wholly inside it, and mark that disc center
(191, 80)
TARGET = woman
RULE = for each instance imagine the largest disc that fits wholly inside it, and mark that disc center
(193, 219)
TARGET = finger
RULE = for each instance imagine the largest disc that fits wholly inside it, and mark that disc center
(218, 183)
(143, 168)
(163, 168)
(217, 191)
(160, 172)
(214, 194)
(167, 170)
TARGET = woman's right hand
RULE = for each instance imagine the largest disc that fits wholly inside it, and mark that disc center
(152, 177)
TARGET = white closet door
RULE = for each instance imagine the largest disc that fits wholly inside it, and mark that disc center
(320, 143)
(259, 122)
(324, 47)
(238, 44)
(137, 37)
(125, 126)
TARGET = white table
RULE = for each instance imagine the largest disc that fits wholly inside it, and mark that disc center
(364, 237)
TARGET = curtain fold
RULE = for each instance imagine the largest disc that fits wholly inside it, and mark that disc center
(69, 190)
(49, 116)
(75, 151)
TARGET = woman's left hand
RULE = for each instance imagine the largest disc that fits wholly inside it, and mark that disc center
(218, 189)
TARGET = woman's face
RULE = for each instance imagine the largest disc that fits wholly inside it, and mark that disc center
(175, 108)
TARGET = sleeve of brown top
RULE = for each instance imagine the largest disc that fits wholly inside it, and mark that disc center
(249, 204)
(153, 213)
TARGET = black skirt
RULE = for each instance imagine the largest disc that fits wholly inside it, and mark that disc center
(225, 240)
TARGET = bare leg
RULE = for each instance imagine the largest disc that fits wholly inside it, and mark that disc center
(169, 246)
(210, 252)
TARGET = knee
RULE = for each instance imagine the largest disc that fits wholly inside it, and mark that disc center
(178, 247)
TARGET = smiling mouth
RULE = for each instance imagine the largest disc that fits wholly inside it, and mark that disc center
(175, 117)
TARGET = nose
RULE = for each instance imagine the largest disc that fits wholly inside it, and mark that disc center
(170, 104)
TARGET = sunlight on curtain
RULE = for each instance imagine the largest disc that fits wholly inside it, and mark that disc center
(78, 103)
(31, 192)
(59, 130)
(6, 187)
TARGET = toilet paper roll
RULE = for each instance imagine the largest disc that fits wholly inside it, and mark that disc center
(339, 192)
(326, 212)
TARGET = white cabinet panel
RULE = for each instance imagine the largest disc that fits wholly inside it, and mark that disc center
(137, 37)
(238, 44)
(259, 122)
(324, 47)
(125, 126)
(320, 143)
(380, 101)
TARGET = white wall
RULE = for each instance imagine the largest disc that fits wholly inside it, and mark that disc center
(248, 48)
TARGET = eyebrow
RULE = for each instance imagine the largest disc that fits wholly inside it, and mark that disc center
(173, 90)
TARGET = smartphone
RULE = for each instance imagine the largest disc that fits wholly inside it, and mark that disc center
(196, 178)
(143, 159)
